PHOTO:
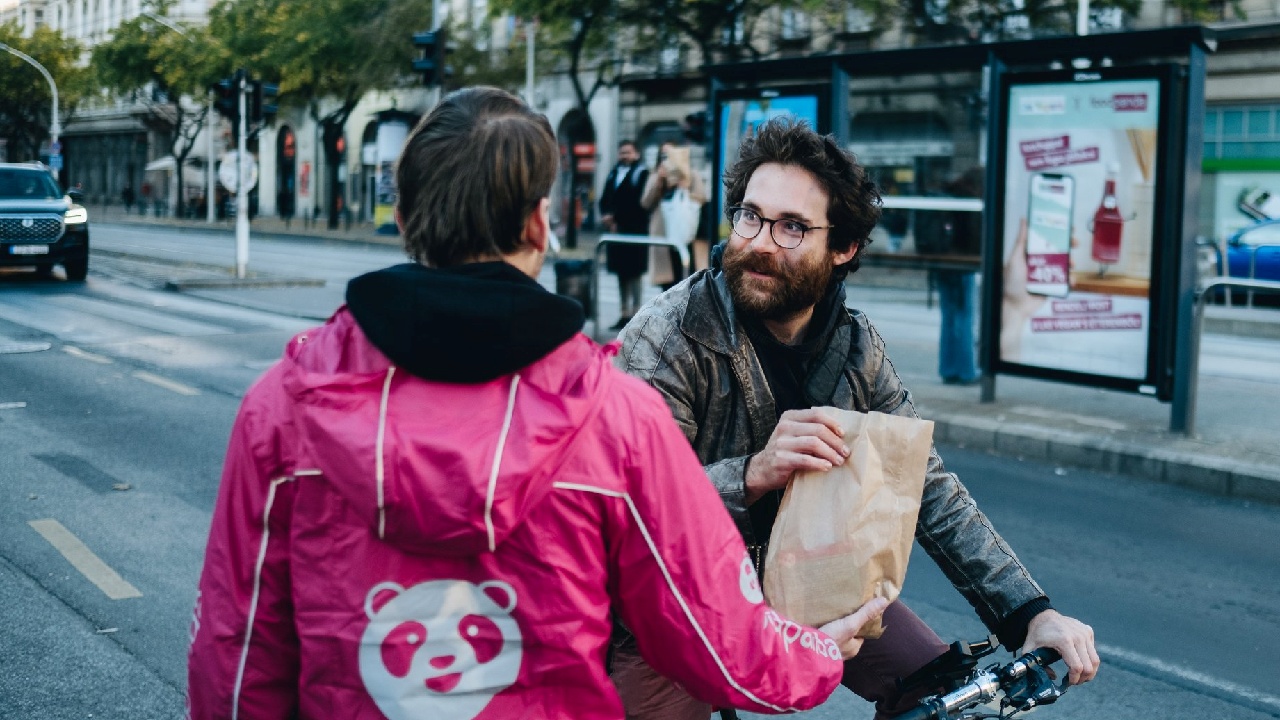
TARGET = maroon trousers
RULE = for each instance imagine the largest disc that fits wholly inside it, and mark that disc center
(906, 645)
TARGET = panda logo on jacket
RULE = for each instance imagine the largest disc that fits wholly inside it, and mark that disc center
(442, 648)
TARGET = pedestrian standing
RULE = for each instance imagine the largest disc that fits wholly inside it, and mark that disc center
(956, 297)
(434, 505)
(621, 212)
(661, 187)
(127, 196)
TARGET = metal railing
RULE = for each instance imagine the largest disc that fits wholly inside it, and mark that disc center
(1184, 403)
(619, 239)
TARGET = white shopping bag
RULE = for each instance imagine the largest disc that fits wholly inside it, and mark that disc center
(680, 217)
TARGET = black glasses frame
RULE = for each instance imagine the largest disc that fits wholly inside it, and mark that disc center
(804, 229)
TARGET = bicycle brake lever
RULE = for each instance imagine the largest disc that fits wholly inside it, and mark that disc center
(1032, 690)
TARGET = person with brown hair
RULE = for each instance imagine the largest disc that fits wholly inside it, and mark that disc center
(433, 505)
(747, 351)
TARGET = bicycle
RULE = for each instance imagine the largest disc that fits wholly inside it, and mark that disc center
(1019, 686)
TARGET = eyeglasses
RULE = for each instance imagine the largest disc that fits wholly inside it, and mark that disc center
(786, 233)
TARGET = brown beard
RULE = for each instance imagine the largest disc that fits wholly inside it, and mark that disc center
(795, 288)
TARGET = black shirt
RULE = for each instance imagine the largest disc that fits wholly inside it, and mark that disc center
(786, 369)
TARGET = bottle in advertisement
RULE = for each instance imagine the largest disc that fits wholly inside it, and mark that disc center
(1108, 223)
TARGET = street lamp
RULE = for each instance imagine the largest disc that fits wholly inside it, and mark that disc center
(55, 129)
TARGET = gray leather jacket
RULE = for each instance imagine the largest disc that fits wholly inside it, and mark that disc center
(689, 346)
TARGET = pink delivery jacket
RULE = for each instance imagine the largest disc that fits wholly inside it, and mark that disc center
(387, 546)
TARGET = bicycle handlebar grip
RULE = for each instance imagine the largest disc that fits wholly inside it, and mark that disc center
(1045, 656)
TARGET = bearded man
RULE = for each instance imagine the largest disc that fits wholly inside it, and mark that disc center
(744, 352)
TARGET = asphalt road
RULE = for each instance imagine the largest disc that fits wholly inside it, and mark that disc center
(111, 442)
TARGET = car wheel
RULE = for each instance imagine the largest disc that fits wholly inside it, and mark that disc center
(77, 268)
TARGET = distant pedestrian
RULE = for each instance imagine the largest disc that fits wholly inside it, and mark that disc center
(674, 173)
(957, 298)
(127, 196)
(621, 212)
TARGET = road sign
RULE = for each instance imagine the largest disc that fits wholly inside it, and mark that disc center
(55, 162)
(55, 148)
(227, 172)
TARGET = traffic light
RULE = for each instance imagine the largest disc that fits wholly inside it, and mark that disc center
(262, 101)
(225, 98)
(434, 47)
(695, 127)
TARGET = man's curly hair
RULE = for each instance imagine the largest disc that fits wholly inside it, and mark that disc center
(854, 200)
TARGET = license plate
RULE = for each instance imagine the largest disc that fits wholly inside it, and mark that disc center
(29, 250)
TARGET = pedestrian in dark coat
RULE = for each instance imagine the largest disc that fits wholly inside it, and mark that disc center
(622, 212)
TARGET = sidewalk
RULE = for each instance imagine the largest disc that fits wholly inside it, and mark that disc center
(1235, 451)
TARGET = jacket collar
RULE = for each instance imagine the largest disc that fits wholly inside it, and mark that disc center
(709, 320)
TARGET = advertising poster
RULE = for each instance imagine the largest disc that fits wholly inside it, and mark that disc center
(390, 139)
(740, 118)
(1077, 232)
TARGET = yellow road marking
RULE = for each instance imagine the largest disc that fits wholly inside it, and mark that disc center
(83, 559)
(77, 352)
(166, 383)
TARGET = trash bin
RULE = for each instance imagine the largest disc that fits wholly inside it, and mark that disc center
(573, 279)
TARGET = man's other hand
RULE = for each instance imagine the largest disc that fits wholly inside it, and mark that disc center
(1071, 638)
(802, 440)
(845, 630)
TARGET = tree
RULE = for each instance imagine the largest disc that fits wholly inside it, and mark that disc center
(476, 60)
(325, 55)
(590, 36)
(26, 104)
(166, 69)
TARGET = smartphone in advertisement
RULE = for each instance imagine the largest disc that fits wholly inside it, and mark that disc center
(1049, 213)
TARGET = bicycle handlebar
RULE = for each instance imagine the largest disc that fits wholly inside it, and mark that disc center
(986, 684)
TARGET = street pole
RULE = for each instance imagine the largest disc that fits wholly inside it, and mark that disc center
(1082, 18)
(242, 193)
(55, 129)
(209, 187)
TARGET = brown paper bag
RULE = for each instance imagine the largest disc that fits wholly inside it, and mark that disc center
(844, 536)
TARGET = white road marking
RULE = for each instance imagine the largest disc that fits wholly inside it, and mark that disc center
(83, 559)
(18, 405)
(1199, 678)
(167, 384)
(14, 347)
(84, 355)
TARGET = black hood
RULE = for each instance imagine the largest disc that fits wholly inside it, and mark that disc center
(466, 324)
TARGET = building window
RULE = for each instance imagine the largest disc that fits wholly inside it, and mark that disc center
(856, 20)
(793, 25)
(1242, 132)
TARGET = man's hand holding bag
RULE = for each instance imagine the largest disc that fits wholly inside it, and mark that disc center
(843, 536)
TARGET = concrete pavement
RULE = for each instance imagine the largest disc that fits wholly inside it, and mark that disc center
(1235, 451)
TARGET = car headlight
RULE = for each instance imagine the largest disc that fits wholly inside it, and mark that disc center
(76, 216)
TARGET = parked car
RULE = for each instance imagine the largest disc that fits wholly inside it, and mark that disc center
(1254, 251)
(40, 226)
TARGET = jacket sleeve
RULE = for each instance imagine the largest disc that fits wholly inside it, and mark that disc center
(689, 593)
(653, 188)
(951, 528)
(697, 188)
(648, 353)
(243, 660)
(606, 193)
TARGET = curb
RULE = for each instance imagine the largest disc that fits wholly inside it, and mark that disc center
(238, 283)
(1247, 481)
